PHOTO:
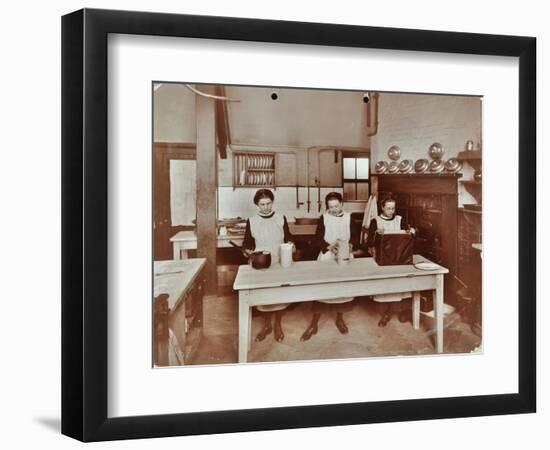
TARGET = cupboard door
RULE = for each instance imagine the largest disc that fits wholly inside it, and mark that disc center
(330, 169)
(285, 165)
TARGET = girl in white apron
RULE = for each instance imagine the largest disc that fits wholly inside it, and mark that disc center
(266, 231)
(333, 226)
(388, 221)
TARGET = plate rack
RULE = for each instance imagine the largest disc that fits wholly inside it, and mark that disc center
(253, 169)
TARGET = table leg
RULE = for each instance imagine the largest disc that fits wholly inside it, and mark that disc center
(244, 326)
(249, 329)
(438, 313)
(176, 250)
(416, 310)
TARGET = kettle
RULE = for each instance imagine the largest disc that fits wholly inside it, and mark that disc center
(260, 260)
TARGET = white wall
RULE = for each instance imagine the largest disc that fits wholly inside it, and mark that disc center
(30, 388)
(414, 122)
(299, 118)
(174, 114)
(239, 202)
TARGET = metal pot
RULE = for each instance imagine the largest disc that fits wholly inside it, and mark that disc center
(436, 151)
(260, 260)
(394, 153)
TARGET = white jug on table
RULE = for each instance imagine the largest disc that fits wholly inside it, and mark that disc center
(286, 254)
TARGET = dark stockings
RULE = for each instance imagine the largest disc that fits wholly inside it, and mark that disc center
(405, 314)
(279, 335)
(267, 328)
(340, 324)
(312, 328)
(386, 314)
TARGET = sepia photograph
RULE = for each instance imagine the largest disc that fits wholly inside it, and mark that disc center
(307, 224)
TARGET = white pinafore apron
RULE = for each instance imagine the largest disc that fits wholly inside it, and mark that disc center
(390, 225)
(336, 227)
(268, 234)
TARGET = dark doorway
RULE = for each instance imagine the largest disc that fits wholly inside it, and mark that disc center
(163, 229)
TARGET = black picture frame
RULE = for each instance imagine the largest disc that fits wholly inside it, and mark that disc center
(84, 224)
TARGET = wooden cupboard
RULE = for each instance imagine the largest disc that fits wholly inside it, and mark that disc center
(429, 203)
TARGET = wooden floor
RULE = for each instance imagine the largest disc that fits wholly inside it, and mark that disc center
(365, 338)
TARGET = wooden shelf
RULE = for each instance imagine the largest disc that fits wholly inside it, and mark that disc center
(413, 175)
(469, 155)
(474, 188)
(469, 211)
(473, 158)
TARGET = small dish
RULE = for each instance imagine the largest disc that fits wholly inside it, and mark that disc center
(426, 265)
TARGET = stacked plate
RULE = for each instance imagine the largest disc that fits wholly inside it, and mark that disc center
(393, 167)
(260, 162)
(436, 166)
(381, 167)
(453, 165)
(406, 166)
(421, 165)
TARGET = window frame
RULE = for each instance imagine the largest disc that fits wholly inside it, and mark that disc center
(356, 181)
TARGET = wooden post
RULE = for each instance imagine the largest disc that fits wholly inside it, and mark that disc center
(206, 186)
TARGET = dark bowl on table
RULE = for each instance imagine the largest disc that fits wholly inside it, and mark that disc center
(260, 260)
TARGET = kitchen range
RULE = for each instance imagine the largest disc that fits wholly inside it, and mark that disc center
(314, 225)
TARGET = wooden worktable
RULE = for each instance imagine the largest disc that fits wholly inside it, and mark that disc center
(178, 317)
(173, 278)
(315, 280)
